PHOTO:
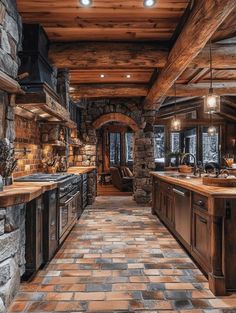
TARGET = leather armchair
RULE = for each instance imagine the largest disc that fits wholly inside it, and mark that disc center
(123, 183)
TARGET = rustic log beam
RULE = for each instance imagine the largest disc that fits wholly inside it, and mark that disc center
(190, 122)
(201, 89)
(108, 90)
(227, 112)
(132, 55)
(203, 21)
(180, 108)
(107, 55)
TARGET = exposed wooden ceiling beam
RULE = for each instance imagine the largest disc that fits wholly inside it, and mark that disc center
(227, 112)
(180, 108)
(201, 89)
(107, 55)
(108, 90)
(203, 21)
(97, 55)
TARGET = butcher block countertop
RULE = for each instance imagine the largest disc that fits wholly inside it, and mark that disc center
(22, 192)
(80, 170)
(195, 184)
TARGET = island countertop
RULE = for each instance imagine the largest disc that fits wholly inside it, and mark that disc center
(196, 184)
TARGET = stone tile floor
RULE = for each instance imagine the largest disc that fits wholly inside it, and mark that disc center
(120, 258)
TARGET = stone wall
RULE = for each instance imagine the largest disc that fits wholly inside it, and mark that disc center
(12, 256)
(144, 159)
(10, 44)
(144, 140)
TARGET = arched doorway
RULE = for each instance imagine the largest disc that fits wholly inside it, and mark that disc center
(115, 144)
(115, 117)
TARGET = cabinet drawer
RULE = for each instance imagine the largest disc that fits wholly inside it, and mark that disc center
(165, 186)
(200, 201)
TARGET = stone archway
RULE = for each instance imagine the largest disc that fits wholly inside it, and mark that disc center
(115, 117)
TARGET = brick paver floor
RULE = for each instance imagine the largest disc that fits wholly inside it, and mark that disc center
(119, 257)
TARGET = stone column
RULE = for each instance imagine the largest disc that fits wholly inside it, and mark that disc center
(144, 160)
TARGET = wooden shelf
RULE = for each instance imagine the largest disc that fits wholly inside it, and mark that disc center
(42, 102)
(9, 85)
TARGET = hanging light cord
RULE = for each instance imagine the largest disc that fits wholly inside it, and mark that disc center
(175, 98)
(211, 71)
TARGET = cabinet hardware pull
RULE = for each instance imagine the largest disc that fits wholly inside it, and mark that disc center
(200, 203)
(181, 193)
(203, 220)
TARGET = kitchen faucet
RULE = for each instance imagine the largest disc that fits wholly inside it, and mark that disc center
(195, 169)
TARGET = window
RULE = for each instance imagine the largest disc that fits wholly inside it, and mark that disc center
(129, 145)
(115, 150)
(175, 142)
(159, 135)
(210, 144)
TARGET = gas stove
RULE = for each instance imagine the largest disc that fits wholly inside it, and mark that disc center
(41, 177)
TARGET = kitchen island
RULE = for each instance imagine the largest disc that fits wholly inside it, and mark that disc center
(202, 218)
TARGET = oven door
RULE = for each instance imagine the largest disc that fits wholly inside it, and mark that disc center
(68, 213)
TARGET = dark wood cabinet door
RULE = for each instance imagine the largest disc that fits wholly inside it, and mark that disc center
(156, 196)
(39, 233)
(169, 213)
(201, 237)
(182, 207)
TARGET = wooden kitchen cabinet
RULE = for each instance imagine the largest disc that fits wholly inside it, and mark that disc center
(34, 237)
(203, 220)
(201, 237)
(182, 213)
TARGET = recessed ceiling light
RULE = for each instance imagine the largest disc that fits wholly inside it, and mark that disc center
(149, 3)
(128, 76)
(102, 75)
(86, 3)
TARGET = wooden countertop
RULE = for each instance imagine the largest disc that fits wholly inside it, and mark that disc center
(22, 192)
(195, 184)
(80, 170)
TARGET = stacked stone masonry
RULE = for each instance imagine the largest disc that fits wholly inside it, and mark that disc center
(12, 256)
(144, 140)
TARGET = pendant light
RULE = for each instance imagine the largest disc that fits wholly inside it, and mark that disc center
(176, 122)
(211, 131)
(212, 100)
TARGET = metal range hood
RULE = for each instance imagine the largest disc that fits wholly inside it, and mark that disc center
(40, 99)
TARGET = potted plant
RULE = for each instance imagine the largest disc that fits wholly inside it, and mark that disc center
(8, 161)
(176, 155)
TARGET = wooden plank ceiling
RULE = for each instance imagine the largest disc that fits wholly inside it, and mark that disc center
(105, 20)
(120, 48)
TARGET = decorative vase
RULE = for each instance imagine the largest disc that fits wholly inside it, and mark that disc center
(7, 181)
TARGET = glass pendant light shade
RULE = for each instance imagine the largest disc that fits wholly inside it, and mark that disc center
(175, 124)
(211, 103)
(212, 100)
(211, 131)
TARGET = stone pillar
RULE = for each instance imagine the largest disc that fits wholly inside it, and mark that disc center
(10, 43)
(144, 160)
(12, 256)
